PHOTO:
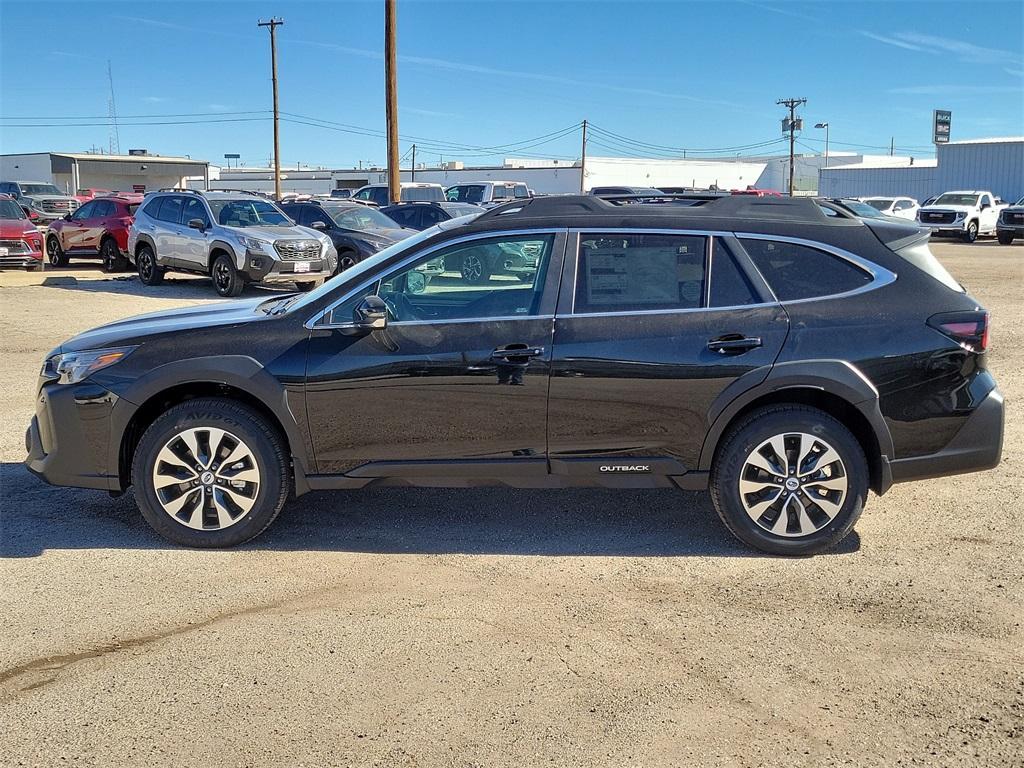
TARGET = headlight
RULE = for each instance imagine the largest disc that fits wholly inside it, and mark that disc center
(73, 367)
(259, 246)
(960, 216)
(377, 245)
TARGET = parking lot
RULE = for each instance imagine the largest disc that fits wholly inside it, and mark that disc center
(405, 627)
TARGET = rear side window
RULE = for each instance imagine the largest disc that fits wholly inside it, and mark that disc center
(633, 272)
(170, 209)
(152, 206)
(729, 285)
(797, 271)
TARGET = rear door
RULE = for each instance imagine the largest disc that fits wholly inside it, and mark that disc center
(96, 224)
(651, 328)
(456, 385)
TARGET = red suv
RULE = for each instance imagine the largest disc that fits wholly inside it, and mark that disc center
(20, 242)
(98, 228)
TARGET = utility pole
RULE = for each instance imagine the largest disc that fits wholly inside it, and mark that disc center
(272, 25)
(892, 145)
(412, 173)
(791, 124)
(391, 88)
(583, 158)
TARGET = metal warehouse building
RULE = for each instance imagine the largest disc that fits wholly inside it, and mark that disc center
(990, 164)
(71, 171)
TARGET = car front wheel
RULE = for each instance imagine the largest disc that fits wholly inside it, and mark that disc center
(1005, 238)
(226, 280)
(55, 253)
(790, 480)
(210, 472)
(971, 233)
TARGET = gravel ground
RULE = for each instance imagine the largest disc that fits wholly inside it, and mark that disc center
(478, 627)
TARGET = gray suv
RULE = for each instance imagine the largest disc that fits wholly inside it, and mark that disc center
(234, 237)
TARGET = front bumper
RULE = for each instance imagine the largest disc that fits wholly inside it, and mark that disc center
(976, 447)
(956, 228)
(68, 439)
(261, 268)
(1016, 229)
(21, 260)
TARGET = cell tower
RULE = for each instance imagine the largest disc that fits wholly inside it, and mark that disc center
(115, 139)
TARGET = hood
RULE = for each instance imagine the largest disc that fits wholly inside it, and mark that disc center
(387, 234)
(273, 232)
(13, 229)
(41, 198)
(134, 330)
(954, 208)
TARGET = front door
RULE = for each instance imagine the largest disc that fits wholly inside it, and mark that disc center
(651, 329)
(455, 385)
(72, 233)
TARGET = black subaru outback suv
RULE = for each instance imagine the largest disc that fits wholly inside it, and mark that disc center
(786, 360)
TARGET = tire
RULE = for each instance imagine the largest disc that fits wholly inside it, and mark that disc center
(346, 260)
(816, 517)
(971, 233)
(226, 280)
(200, 511)
(1005, 238)
(474, 269)
(149, 272)
(55, 253)
(112, 260)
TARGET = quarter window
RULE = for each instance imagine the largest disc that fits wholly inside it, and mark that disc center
(635, 272)
(797, 271)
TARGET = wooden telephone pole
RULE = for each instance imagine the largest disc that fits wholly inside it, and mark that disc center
(391, 87)
(583, 159)
(791, 104)
(272, 25)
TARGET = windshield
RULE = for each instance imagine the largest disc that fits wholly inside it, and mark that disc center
(10, 210)
(1020, 202)
(956, 199)
(359, 217)
(248, 213)
(354, 275)
(39, 189)
(881, 203)
(421, 194)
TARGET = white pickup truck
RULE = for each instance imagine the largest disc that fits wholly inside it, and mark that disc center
(965, 214)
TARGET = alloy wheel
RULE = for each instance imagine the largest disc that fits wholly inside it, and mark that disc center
(472, 268)
(206, 478)
(53, 250)
(145, 265)
(793, 484)
(222, 276)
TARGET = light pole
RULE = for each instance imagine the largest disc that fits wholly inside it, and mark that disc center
(825, 126)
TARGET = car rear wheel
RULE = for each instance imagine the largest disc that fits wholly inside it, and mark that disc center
(145, 262)
(210, 472)
(1005, 238)
(971, 233)
(789, 480)
(113, 261)
(55, 253)
(226, 280)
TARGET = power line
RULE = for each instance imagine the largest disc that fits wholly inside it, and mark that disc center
(130, 117)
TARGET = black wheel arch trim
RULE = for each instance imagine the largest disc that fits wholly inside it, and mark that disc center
(835, 377)
(141, 240)
(237, 371)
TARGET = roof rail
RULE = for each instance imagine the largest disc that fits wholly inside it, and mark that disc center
(181, 189)
(242, 191)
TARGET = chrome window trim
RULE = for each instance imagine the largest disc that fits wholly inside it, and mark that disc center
(311, 323)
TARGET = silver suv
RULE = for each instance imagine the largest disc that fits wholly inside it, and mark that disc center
(234, 237)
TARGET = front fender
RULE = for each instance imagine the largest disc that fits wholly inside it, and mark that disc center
(238, 371)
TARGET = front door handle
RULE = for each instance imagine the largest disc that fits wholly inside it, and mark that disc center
(734, 344)
(505, 353)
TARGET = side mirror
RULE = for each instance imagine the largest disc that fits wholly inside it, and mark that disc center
(321, 225)
(415, 282)
(371, 314)
(197, 224)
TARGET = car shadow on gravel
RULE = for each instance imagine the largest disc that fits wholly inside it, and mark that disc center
(177, 287)
(36, 517)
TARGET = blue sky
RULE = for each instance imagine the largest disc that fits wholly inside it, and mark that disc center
(482, 80)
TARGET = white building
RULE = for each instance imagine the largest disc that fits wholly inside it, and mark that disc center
(138, 171)
(994, 164)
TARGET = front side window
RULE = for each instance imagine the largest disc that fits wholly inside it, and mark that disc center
(85, 212)
(637, 272)
(454, 283)
(796, 271)
(880, 203)
(194, 209)
(522, 190)
(248, 213)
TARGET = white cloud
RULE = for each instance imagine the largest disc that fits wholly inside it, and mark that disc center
(954, 90)
(936, 45)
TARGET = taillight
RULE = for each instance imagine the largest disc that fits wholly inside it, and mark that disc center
(968, 329)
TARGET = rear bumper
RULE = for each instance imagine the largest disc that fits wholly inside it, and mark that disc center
(977, 446)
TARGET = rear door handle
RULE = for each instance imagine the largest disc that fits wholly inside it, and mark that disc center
(504, 353)
(734, 344)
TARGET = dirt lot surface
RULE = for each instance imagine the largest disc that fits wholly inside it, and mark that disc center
(506, 628)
